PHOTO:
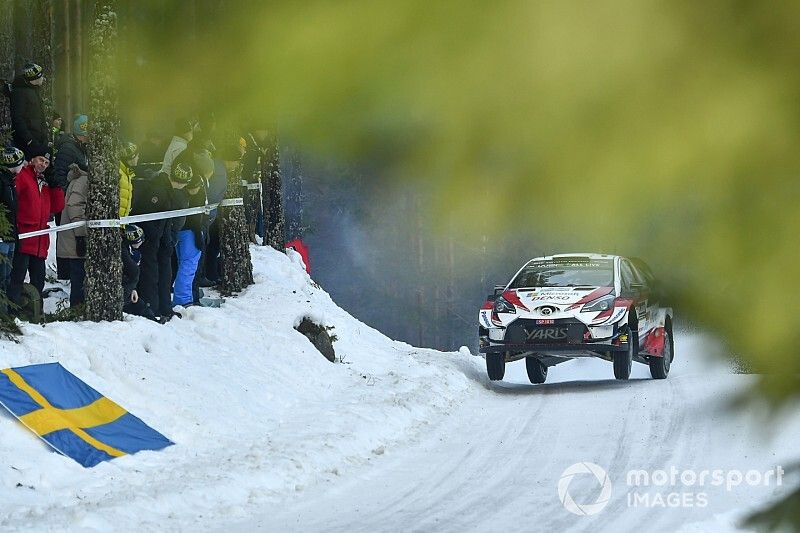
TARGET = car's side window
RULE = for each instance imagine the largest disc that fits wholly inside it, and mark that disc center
(627, 277)
(639, 277)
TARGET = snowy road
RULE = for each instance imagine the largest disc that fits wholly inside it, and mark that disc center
(495, 462)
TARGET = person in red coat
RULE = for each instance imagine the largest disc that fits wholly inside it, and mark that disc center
(36, 202)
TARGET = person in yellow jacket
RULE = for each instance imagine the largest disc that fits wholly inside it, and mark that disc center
(129, 158)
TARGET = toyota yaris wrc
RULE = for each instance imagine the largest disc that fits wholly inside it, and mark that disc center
(560, 307)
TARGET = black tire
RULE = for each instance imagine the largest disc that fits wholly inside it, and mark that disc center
(537, 371)
(623, 361)
(495, 366)
(659, 366)
(483, 337)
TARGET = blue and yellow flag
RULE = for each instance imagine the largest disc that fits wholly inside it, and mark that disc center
(72, 417)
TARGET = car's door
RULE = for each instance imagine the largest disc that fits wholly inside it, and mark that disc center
(652, 290)
(635, 288)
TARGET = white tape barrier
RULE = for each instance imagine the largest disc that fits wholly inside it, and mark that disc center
(251, 186)
(117, 222)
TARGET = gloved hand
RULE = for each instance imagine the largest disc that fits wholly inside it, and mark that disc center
(80, 246)
(134, 296)
(50, 179)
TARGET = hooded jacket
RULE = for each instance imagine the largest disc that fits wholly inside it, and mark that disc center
(27, 114)
(74, 210)
(177, 145)
(36, 201)
(70, 150)
(126, 177)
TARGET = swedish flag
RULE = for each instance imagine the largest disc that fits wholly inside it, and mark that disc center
(72, 417)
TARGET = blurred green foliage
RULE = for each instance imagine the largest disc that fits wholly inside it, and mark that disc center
(665, 130)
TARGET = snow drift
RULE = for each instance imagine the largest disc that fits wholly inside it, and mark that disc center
(255, 410)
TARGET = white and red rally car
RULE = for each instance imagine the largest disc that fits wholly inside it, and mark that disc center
(560, 307)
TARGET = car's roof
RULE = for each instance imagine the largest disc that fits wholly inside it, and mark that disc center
(588, 256)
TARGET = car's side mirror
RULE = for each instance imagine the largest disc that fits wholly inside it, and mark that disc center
(498, 290)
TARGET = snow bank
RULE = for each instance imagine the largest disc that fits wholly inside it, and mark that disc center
(255, 411)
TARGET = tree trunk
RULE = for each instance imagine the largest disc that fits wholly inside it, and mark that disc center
(294, 198)
(273, 197)
(237, 267)
(419, 250)
(6, 73)
(7, 49)
(22, 33)
(103, 263)
(450, 299)
(42, 50)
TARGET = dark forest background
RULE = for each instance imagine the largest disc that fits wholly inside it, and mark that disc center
(378, 244)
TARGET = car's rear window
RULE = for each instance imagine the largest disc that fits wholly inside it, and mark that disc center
(566, 272)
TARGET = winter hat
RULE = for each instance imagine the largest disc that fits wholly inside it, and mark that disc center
(32, 71)
(81, 125)
(134, 234)
(128, 151)
(182, 173)
(39, 150)
(12, 157)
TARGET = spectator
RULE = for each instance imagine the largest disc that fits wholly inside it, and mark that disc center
(37, 200)
(129, 158)
(71, 243)
(72, 150)
(56, 128)
(155, 276)
(132, 239)
(12, 160)
(191, 239)
(205, 132)
(152, 149)
(184, 132)
(27, 112)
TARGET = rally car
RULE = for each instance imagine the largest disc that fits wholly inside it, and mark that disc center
(560, 307)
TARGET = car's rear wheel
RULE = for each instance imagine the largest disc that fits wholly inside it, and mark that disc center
(623, 361)
(659, 366)
(495, 366)
(537, 371)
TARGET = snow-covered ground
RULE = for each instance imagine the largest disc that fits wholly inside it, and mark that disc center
(271, 435)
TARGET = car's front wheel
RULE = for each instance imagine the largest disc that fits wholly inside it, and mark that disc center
(659, 366)
(537, 371)
(623, 361)
(495, 366)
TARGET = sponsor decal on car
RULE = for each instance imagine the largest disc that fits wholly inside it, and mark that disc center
(548, 334)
